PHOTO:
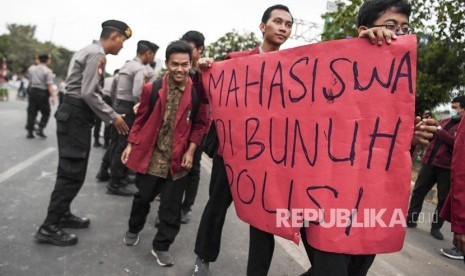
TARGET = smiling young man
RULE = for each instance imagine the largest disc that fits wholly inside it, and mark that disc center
(161, 145)
(276, 27)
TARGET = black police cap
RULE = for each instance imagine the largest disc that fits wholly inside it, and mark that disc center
(152, 46)
(119, 26)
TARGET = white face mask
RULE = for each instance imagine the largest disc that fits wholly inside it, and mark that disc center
(453, 113)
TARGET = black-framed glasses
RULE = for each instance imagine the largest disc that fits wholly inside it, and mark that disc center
(405, 29)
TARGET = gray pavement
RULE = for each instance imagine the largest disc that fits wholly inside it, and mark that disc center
(27, 175)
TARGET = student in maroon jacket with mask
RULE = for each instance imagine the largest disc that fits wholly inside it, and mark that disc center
(436, 168)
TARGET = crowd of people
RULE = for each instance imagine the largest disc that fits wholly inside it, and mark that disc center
(157, 128)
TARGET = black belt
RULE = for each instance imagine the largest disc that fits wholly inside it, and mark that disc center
(38, 89)
(124, 103)
(76, 102)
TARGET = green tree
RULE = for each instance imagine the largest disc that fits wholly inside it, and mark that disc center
(440, 27)
(341, 23)
(20, 46)
(231, 42)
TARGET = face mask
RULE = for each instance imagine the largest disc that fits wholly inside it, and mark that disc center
(454, 114)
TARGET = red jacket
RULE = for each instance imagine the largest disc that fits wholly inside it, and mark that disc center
(454, 207)
(144, 132)
(446, 138)
(254, 51)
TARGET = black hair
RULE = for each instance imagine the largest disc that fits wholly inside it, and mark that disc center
(460, 100)
(142, 49)
(178, 46)
(44, 58)
(194, 37)
(371, 10)
(267, 14)
(106, 32)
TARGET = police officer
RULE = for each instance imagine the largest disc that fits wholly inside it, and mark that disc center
(132, 77)
(41, 90)
(75, 117)
(152, 74)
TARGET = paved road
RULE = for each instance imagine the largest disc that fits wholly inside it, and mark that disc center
(27, 174)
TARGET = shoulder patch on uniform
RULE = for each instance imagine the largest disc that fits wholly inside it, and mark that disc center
(101, 65)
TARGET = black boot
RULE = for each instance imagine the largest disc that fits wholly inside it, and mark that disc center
(437, 234)
(71, 221)
(103, 174)
(30, 135)
(55, 235)
(40, 133)
(116, 187)
(97, 143)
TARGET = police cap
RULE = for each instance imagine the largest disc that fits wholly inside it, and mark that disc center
(152, 46)
(118, 26)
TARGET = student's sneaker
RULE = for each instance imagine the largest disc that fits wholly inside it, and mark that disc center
(131, 239)
(452, 253)
(164, 258)
(201, 268)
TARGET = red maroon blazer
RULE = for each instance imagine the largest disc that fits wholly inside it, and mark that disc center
(144, 132)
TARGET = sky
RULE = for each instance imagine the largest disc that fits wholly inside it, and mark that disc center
(74, 24)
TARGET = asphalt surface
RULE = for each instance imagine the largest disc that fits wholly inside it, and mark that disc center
(27, 177)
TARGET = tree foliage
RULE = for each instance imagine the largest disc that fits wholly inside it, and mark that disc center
(231, 42)
(20, 46)
(440, 28)
(341, 23)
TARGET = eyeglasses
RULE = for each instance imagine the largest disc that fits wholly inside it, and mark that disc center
(405, 29)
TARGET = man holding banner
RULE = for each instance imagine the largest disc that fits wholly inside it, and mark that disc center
(378, 20)
(318, 138)
(276, 27)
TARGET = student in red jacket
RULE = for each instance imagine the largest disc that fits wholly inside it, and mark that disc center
(454, 207)
(161, 148)
(435, 168)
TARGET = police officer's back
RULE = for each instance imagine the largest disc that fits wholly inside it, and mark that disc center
(41, 90)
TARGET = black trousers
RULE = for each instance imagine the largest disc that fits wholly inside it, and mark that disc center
(427, 177)
(107, 157)
(74, 123)
(97, 128)
(261, 248)
(208, 241)
(169, 212)
(193, 184)
(338, 264)
(106, 131)
(117, 168)
(38, 102)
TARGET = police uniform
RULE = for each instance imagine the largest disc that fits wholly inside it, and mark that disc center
(40, 79)
(151, 73)
(75, 118)
(131, 79)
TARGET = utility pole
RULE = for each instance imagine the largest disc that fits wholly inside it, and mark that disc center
(305, 30)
